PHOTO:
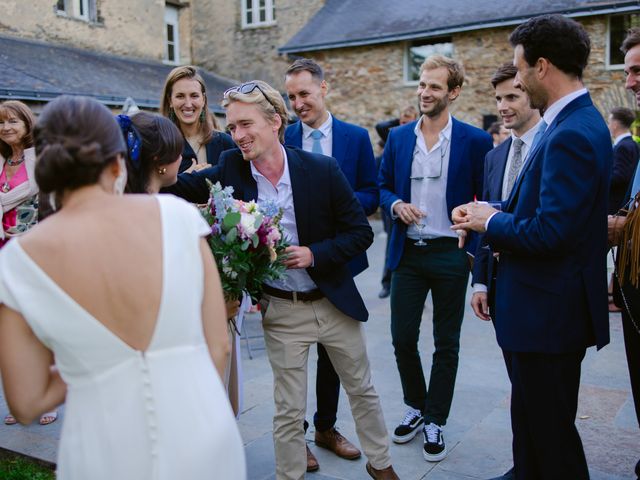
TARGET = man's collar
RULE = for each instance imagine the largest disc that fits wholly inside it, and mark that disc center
(325, 128)
(285, 179)
(620, 137)
(527, 137)
(553, 110)
(445, 132)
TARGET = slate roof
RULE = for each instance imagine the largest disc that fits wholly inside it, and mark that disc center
(343, 23)
(37, 71)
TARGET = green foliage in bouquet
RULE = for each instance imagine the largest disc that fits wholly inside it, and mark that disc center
(247, 242)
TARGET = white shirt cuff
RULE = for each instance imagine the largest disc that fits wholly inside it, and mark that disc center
(479, 288)
(393, 215)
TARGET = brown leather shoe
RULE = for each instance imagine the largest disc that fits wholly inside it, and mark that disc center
(332, 440)
(312, 461)
(384, 474)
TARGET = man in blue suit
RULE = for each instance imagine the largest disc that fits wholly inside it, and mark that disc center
(427, 167)
(551, 289)
(320, 132)
(317, 300)
(502, 166)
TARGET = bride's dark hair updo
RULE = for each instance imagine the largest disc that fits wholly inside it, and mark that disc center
(76, 138)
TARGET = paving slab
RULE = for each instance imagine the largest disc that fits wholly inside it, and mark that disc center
(478, 432)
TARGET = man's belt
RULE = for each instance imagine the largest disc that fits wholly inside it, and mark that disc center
(309, 296)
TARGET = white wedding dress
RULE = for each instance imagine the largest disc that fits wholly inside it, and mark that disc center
(162, 414)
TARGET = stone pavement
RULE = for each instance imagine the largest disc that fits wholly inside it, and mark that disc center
(478, 432)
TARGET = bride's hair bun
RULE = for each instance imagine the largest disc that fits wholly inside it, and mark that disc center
(75, 138)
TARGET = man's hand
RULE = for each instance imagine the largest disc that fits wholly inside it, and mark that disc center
(615, 226)
(408, 212)
(298, 257)
(472, 216)
(480, 305)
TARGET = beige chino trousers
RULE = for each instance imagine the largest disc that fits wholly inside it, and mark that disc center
(290, 328)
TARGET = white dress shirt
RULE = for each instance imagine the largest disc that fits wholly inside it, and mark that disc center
(429, 173)
(295, 279)
(326, 142)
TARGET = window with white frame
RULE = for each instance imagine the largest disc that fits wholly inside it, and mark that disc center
(81, 9)
(417, 52)
(618, 27)
(172, 35)
(258, 13)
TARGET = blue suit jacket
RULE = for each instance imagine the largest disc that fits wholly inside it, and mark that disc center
(466, 165)
(625, 159)
(494, 166)
(351, 147)
(552, 238)
(330, 220)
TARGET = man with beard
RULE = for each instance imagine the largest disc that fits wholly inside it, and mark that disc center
(320, 132)
(428, 166)
(551, 288)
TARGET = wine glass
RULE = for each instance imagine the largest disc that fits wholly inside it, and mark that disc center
(420, 225)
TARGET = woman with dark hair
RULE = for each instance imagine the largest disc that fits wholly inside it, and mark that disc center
(18, 187)
(154, 146)
(185, 103)
(124, 291)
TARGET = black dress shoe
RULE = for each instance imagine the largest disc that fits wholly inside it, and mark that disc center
(638, 469)
(384, 293)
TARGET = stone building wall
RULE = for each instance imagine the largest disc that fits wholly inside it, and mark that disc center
(366, 83)
(220, 44)
(124, 27)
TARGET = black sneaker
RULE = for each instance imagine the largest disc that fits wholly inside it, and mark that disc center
(409, 426)
(434, 448)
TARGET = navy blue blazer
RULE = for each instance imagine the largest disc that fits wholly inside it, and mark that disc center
(469, 145)
(625, 159)
(552, 239)
(330, 220)
(494, 169)
(351, 147)
(219, 142)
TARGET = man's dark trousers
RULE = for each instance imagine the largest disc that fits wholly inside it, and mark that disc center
(545, 392)
(442, 268)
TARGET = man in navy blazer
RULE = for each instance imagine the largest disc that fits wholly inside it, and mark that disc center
(317, 300)
(625, 156)
(502, 166)
(427, 167)
(351, 147)
(551, 291)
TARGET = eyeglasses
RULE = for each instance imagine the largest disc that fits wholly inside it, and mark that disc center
(247, 88)
(433, 169)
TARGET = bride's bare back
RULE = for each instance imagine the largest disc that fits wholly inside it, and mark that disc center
(106, 254)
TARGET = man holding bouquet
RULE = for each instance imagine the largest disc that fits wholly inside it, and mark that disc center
(316, 301)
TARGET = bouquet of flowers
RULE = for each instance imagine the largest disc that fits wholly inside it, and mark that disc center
(247, 242)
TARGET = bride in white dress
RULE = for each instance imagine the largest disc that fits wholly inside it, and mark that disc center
(124, 292)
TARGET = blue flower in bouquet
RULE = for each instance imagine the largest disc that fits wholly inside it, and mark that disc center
(247, 241)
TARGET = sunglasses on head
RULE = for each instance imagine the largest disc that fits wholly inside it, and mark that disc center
(247, 88)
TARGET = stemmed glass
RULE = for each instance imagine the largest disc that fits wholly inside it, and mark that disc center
(420, 225)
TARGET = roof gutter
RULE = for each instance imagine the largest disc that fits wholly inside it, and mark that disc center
(110, 100)
(450, 30)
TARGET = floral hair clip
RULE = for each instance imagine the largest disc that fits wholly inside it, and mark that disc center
(134, 143)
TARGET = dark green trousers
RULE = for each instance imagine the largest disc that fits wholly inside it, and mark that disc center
(442, 269)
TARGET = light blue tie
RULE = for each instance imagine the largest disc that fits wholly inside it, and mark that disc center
(317, 146)
(539, 134)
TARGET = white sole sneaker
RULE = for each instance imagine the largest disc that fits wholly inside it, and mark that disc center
(408, 437)
(434, 458)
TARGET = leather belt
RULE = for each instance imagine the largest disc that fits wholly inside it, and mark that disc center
(309, 296)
